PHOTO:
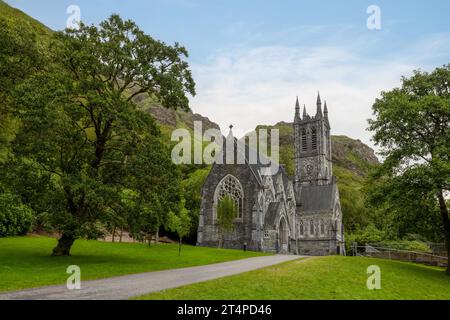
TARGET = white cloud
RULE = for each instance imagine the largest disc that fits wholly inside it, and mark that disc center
(247, 86)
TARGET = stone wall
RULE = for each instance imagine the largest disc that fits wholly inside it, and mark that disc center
(316, 247)
(207, 230)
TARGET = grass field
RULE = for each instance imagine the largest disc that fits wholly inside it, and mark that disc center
(26, 262)
(331, 277)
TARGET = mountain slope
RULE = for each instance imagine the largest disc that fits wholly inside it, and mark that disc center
(351, 158)
(22, 20)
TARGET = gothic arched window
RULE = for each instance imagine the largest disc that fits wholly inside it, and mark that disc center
(322, 227)
(301, 231)
(314, 138)
(304, 147)
(311, 227)
(230, 186)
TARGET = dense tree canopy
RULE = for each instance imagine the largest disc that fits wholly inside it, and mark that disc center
(80, 127)
(412, 127)
(19, 58)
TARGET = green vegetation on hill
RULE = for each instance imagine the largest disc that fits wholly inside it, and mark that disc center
(25, 261)
(325, 278)
(16, 17)
(100, 178)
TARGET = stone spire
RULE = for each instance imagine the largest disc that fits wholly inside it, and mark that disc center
(297, 110)
(325, 113)
(319, 106)
(305, 115)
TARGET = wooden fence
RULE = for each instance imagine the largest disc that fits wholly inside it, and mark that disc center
(402, 255)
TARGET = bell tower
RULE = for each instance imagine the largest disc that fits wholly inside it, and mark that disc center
(313, 165)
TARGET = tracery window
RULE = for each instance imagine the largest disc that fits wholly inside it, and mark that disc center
(322, 227)
(304, 147)
(311, 227)
(230, 186)
(314, 139)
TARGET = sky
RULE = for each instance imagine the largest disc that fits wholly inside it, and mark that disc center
(251, 58)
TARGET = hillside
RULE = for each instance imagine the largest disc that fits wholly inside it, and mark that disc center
(21, 20)
(170, 119)
(352, 159)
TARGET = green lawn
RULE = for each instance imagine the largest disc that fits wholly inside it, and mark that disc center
(331, 277)
(26, 262)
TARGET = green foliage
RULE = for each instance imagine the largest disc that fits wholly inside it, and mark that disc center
(226, 213)
(412, 128)
(369, 234)
(409, 245)
(180, 222)
(192, 190)
(355, 214)
(80, 126)
(19, 58)
(15, 217)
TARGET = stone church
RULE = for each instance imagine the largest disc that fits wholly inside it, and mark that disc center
(277, 213)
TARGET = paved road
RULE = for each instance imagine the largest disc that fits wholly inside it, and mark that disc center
(128, 286)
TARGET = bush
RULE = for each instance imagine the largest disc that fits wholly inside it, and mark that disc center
(409, 245)
(371, 235)
(368, 235)
(15, 217)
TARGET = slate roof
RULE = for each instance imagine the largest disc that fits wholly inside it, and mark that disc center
(285, 176)
(317, 197)
(272, 212)
(263, 163)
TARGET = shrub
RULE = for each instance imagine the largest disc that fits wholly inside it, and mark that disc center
(15, 217)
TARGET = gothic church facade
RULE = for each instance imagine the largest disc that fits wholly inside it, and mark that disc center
(277, 213)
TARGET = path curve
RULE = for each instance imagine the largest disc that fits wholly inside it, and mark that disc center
(124, 287)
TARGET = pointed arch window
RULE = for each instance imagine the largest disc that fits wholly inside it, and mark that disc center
(230, 186)
(314, 139)
(311, 227)
(301, 229)
(304, 146)
(322, 227)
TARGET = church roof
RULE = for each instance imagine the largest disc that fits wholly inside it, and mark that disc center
(285, 176)
(272, 212)
(317, 197)
(262, 163)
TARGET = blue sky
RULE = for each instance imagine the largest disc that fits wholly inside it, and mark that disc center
(251, 58)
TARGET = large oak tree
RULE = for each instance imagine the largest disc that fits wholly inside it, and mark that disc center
(412, 128)
(80, 125)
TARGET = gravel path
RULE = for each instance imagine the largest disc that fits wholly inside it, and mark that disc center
(124, 287)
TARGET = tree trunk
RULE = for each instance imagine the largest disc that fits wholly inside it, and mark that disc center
(445, 220)
(64, 245)
(220, 239)
(121, 234)
(179, 247)
(113, 233)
